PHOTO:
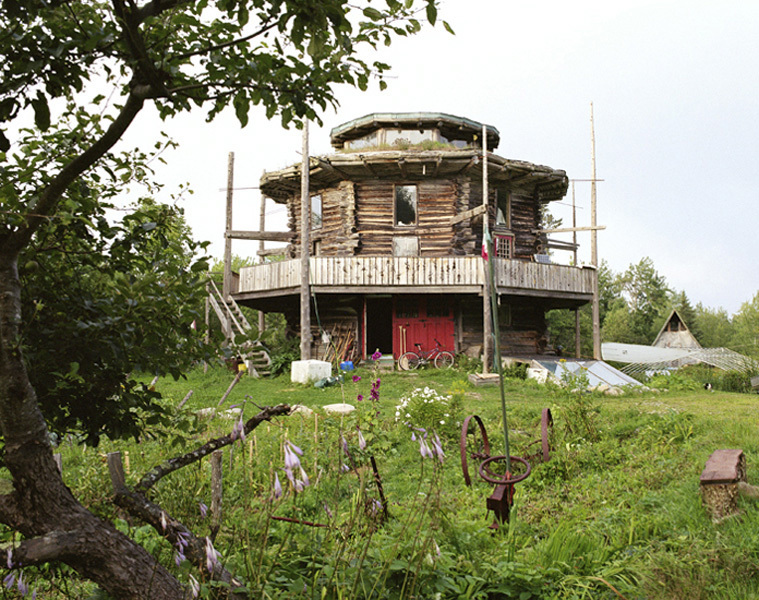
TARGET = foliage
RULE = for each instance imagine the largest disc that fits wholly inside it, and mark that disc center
(102, 300)
(714, 327)
(579, 406)
(283, 354)
(622, 510)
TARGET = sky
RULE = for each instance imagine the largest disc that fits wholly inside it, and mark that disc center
(675, 91)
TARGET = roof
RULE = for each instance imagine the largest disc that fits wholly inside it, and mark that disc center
(326, 171)
(681, 337)
(450, 126)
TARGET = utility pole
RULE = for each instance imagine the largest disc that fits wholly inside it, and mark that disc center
(305, 242)
(594, 243)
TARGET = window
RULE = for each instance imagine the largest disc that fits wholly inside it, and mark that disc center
(407, 308)
(504, 246)
(503, 209)
(405, 205)
(316, 211)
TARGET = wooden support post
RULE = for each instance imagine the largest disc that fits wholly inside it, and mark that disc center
(594, 244)
(235, 381)
(305, 230)
(487, 316)
(116, 470)
(578, 344)
(185, 399)
(227, 282)
(216, 488)
(261, 247)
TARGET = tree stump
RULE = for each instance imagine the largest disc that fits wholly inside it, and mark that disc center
(719, 482)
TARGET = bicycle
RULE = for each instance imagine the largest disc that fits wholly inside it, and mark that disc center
(442, 359)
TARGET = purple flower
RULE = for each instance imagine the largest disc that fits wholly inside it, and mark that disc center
(356, 378)
(291, 456)
(377, 355)
(277, 487)
(375, 390)
(437, 449)
(361, 440)
(238, 431)
(212, 557)
(194, 586)
(9, 559)
(23, 589)
(9, 580)
(203, 510)
(345, 468)
(328, 511)
(359, 398)
(179, 558)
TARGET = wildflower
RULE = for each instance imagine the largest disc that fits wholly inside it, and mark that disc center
(356, 378)
(304, 477)
(375, 390)
(212, 557)
(361, 440)
(203, 510)
(437, 449)
(23, 589)
(345, 468)
(179, 557)
(238, 431)
(164, 521)
(277, 487)
(328, 511)
(194, 586)
(291, 456)
(436, 548)
(359, 398)
(9, 580)
(377, 355)
(9, 558)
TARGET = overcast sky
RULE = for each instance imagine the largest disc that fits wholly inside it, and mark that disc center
(675, 89)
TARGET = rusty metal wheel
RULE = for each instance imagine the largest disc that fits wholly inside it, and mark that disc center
(474, 444)
(489, 474)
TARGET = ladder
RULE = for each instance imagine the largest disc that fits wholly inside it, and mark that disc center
(233, 322)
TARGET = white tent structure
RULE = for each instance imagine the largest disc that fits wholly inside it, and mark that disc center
(647, 359)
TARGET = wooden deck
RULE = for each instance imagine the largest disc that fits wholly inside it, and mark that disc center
(458, 274)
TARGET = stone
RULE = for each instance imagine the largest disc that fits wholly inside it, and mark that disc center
(339, 409)
(299, 409)
(308, 371)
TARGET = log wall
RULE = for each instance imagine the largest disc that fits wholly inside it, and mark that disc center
(522, 327)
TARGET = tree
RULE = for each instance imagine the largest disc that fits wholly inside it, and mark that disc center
(58, 61)
(714, 326)
(645, 298)
(745, 337)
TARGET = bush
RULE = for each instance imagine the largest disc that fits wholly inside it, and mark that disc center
(424, 408)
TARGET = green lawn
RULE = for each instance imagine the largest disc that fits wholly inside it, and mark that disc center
(615, 513)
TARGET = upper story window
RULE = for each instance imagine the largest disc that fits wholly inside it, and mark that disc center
(503, 209)
(316, 211)
(405, 205)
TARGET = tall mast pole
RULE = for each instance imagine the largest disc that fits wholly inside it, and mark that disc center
(305, 242)
(594, 243)
(487, 315)
(261, 246)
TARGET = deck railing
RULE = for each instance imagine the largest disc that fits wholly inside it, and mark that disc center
(399, 272)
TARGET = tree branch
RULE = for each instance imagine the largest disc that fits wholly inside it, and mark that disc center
(241, 40)
(54, 546)
(158, 472)
(51, 195)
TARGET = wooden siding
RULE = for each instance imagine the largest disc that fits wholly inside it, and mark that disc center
(443, 272)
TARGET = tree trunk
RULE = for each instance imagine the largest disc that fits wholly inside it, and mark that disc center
(56, 527)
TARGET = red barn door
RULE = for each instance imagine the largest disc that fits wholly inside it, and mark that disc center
(422, 320)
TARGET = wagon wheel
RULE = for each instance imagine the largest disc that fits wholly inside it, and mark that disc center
(474, 444)
(546, 433)
(493, 470)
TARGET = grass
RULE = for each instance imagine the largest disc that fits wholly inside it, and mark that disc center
(615, 513)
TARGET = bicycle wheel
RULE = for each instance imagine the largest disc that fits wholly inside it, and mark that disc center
(444, 360)
(408, 361)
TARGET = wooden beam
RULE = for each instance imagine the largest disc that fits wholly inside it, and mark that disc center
(478, 210)
(570, 229)
(272, 252)
(267, 236)
(227, 278)
(402, 167)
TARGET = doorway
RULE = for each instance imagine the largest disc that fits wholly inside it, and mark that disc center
(378, 318)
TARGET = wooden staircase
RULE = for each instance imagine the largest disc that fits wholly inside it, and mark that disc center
(233, 322)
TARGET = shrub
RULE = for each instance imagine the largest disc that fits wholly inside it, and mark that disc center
(427, 409)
